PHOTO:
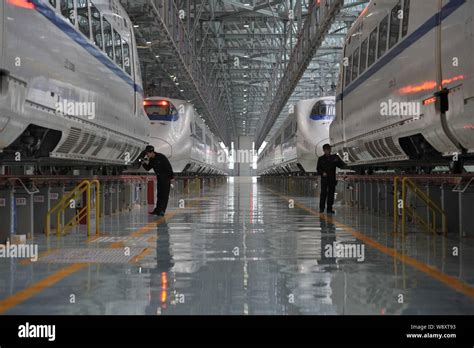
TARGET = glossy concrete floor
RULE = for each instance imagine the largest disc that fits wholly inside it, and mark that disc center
(241, 248)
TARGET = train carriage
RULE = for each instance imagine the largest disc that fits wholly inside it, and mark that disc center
(177, 131)
(299, 141)
(71, 90)
(406, 91)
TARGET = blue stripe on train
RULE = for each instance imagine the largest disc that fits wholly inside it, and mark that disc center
(321, 117)
(70, 31)
(424, 29)
(170, 118)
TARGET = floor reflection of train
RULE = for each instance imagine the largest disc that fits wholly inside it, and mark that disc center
(299, 141)
(178, 132)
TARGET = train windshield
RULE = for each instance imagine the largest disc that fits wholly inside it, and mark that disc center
(160, 110)
(323, 110)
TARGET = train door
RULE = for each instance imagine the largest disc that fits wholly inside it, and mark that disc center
(457, 67)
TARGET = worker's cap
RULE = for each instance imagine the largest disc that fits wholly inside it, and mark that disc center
(149, 149)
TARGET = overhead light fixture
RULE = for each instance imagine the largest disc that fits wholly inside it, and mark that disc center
(136, 26)
(181, 90)
(148, 42)
(246, 26)
(157, 56)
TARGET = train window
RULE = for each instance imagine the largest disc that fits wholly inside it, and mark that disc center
(160, 110)
(363, 56)
(126, 57)
(406, 17)
(372, 47)
(394, 25)
(278, 140)
(383, 29)
(52, 3)
(96, 27)
(83, 17)
(348, 71)
(322, 109)
(108, 42)
(288, 132)
(355, 64)
(208, 141)
(198, 132)
(118, 48)
(67, 10)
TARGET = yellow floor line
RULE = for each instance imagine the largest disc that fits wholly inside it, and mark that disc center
(140, 256)
(39, 286)
(431, 271)
(25, 294)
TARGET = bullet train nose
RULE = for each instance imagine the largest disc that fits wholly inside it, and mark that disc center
(161, 146)
(319, 147)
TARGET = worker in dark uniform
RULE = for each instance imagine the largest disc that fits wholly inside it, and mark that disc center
(326, 167)
(164, 176)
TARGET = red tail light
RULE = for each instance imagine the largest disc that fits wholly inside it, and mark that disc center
(22, 4)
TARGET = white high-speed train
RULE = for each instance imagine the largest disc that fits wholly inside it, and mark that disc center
(70, 83)
(178, 132)
(406, 91)
(299, 142)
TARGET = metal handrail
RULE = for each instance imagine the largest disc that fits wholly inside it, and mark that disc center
(35, 189)
(59, 208)
(434, 209)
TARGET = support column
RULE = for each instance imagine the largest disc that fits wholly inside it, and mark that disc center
(6, 214)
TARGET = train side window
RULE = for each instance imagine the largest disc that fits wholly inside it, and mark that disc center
(288, 131)
(118, 48)
(355, 64)
(383, 30)
(52, 3)
(83, 17)
(348, 71)
(394, 25)
(126, 57)
(278, 140)
(108, 42)
(67, 10)
(363, 56)
(372, 47)
(96, 27)
(198, 132)
(406, 17)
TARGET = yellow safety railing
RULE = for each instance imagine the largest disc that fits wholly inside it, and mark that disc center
(84, 212)
(430, 223)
